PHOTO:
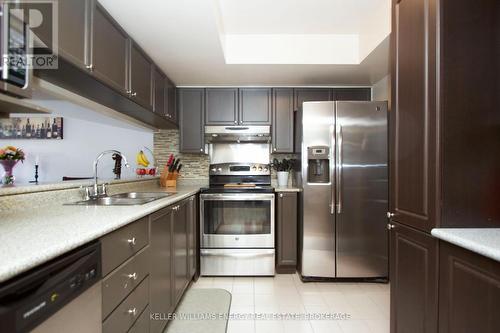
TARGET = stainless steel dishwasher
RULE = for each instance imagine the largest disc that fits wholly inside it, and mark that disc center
(63, 295)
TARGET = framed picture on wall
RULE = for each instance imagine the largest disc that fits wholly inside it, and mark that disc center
(38, 128)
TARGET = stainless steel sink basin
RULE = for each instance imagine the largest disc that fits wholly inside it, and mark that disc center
(142, 195)
(123, 199)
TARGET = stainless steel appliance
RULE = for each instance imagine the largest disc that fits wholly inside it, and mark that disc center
(237, 220)
(14, 46)
(218, 134)
(345, 190)
(63, 295)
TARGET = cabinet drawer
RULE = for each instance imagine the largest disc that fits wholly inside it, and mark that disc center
(119, 283)
(127, 313)
(142, 324)
(121, 244)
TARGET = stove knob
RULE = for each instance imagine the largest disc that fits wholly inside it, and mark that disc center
(260, 168)
(214, 169)
(265, 169)
(219, 169)
(254, 168)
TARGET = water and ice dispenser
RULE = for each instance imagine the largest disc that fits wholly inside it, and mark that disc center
(318, 164)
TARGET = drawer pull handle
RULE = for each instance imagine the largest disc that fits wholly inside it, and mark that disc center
(131, 241)
(132, 276)
(132, 312)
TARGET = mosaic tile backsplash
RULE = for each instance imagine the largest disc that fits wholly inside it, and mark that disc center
(195, 166)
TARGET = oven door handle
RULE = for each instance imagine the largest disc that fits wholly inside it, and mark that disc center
(237, 197)
(208, 253)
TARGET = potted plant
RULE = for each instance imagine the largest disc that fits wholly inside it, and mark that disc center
(9, 156)
(282, 169)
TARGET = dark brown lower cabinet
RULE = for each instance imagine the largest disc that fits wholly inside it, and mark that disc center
(192, 239)
(469, 292)
(160, 293)
(180, 249)
(414, 280)
(286, 233)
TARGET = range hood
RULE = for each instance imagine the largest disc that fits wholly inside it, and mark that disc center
(214, 134)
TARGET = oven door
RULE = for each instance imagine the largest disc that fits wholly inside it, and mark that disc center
(237, 220)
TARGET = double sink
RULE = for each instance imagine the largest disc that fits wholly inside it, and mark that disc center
(123, 199)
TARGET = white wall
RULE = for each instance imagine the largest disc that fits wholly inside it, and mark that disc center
(381, 90)
(74, 155)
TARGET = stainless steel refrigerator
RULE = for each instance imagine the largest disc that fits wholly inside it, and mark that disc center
(345, 190)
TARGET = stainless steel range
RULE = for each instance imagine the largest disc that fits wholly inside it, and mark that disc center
(237, 220)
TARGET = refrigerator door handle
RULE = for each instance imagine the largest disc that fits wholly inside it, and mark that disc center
(339, 167)
(332, 170)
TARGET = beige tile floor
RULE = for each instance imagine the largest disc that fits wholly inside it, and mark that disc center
(366, 304)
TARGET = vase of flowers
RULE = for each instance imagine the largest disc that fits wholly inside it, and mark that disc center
(282, 169)
(9, 157)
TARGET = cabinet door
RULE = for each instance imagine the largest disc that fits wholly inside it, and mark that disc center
(192, 244)
(159, 92)
(222, 106)
(160, 294)
(414, 280)
(469, 291)
(109, 50)
(413, 122)
(140, 77)
(180, 249)
(306, 95)
(191, 107)
(286, 232)
(255, 106)
(171, 101)
(282, 126)
(352, 94)
(74, 31)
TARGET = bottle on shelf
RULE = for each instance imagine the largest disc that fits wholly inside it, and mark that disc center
(55, 129)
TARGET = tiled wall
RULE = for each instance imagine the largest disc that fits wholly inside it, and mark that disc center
(194, 166)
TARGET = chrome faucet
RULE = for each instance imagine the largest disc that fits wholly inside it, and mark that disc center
(96, 161)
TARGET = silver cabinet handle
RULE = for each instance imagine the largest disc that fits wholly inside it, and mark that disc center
(132, 312)
(281, 195)
(133, 94)
(132, 276)
(235, 121)
(389, 215)
(131, 241)
(274, 149)
(90, 67)
(201, 149)
(390, 226)
(339, 169)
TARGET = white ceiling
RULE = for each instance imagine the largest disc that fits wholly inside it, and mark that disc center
(188, 39)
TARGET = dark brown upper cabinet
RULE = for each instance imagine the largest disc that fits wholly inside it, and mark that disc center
(191, 109)
(286, 223)
(282, 127)
(254, 106)
(414, 120)
(140, 86)
(222, 106)
(159, 92)
(74, 28)
(170, 95)
(469, 291)
(110, 49)
(414, 280)
(352, 94)
(302, 95)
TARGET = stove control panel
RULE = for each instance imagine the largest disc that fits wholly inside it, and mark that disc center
(240, 169)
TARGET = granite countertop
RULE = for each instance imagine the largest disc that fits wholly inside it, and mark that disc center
(484, 241)
(32, 237)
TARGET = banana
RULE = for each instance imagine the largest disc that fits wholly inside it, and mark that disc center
(142, 159)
